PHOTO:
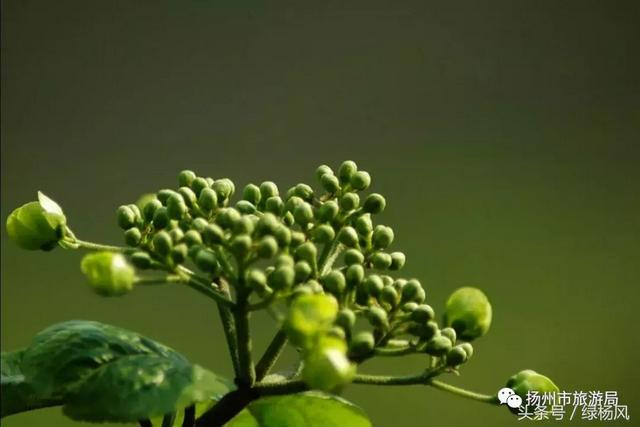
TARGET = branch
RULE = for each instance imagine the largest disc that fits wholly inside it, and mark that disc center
(271, 354)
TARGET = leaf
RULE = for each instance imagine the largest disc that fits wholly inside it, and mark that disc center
(65, 353)
(141, 386)
(103, 373)
(309, 409)
(16, 395)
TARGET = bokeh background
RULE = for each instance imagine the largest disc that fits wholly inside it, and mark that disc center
(504, 135)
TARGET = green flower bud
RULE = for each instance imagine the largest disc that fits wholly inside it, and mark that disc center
(209, 181)
(308, 317)
(267, 224)
(132, 236)
(293, 203)
(228, 217)
(314, 286)
(193, 251)
(323, 170)
(189, 196)
(199, 224)
(389, 295)
(347, 169)
(307, 252)
(323, 234)
(282, 278)
(144, 199)
(330, 183)
(326, 367)
(398, 260)
(186, 177)
(241, 245)
(160, 218)
(164, 194)
(425, 331)
(364, 225)
(354, 275)
(162, 243)
(302, 271)
(362, 344)
(176, 208)
(374, 203)
(179, 253)
(192, 237)
(207, 261)
(256, 279)
(353, 256)
(348, 237)
(126, 217)
(141, 260)
(288, 219)
(267, 247)
(199, 184)
(213, 234)
(422, 313)
(304, 191)
(251, 193)
(109, 273)
(378, 317)
(381, 260)
(409, 307)
(337, 332)
(268, 189)
(529, 380)
(225, 188)
(468, 311)
(349, 202)
(360, 180)
(334, 282)
(282, 235)
(328, 211)
(208, 200)
(37, 225)
(387, 280)
(245, 225)
(438, 346)
(373, 284)
(411, 291)
(382, 236)
(468, 349)
(346, 319)
(456, 356)
(449, 333)
(275, 205)
(150, 208)
(176, 234)
(303, 213)
(245, 207)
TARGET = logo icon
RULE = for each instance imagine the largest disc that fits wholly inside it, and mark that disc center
(508, 396)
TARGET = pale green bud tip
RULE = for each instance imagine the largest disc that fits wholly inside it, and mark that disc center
(469, 312)
(382, 236)
(323, 170)
(109, 273)
(37, 225)
(186, 177)
(529, 380)
(326, 366)
(310, 315)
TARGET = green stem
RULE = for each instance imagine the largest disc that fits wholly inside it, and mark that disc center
(100, 247)
(229, 328)
(271, 354)
(417, 379)
(202, 286)
(394, 351)
(463, 393)
(247, 369)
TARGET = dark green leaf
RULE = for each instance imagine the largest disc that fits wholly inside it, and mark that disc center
(141, 386)
(16, 395)
(65, 353)
(309, 409)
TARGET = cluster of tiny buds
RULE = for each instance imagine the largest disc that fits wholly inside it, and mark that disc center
(300, 242)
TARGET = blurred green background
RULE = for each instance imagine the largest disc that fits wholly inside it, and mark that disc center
(504, 135)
